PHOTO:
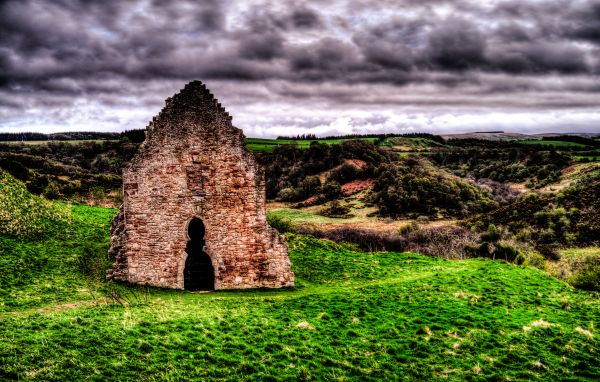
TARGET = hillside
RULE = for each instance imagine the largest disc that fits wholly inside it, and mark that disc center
(352, 315)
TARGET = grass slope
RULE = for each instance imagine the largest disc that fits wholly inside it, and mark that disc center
(23, 215)
(63, 267)
(352, 316)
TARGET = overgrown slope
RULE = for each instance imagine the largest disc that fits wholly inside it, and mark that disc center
(23, 215)
(50, 252)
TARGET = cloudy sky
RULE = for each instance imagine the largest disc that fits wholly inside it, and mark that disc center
(288, 67)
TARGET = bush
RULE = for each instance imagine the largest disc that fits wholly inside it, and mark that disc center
(282, 225)
(289, 194)
(506, 252)
(589, 277)
(345, 173)
(406, 229)
(549, 251)
(331, 190)
(491, 235)
(28, 216)
(366, 240)
(336, 210)
(535, 259)
(450, 242)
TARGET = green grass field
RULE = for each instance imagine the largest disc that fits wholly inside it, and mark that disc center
(352, 316)
(70, 141)
(410, 144)
(557, 144)
(268, 145)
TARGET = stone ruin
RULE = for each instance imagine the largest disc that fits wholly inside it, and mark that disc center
(193, 214)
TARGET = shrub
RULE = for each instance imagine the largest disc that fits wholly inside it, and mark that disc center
(423, 220)
(289, 194)
(506, 252)
(535, 259)
(450, 242)
(589, 277)
(24, 215)
(366, 240)
(345, 173)
(405, 229)
(331, 190)
(336, 210)
(281, 224)
(549, 251)
(491, 235)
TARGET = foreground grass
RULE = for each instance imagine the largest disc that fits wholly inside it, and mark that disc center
(352, 316)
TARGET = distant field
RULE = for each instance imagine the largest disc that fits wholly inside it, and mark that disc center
(552, 143)
(70, 141)
(268, 145)
(410, 144)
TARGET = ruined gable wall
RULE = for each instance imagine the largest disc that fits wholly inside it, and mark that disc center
(193, 163)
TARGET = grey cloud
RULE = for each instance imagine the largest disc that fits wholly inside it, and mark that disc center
(541, 57)
(262, 46)
(456, 45)
(305, 18)
(328, 56)
(423, 52)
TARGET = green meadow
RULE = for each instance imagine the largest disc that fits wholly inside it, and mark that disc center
(352, 316)
(557, 143)
(268, 145)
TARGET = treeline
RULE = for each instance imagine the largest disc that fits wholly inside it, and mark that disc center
(435, 138)
(132, 135)
(70, 136)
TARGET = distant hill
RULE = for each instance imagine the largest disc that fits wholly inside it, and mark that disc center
(509, 136)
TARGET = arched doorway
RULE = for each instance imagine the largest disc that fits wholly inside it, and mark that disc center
(198, 273)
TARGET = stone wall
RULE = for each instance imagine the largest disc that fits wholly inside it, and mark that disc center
(193, 163)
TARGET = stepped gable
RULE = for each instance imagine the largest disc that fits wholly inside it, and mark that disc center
(193, 214)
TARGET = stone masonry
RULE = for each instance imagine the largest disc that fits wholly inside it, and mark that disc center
(193, 164)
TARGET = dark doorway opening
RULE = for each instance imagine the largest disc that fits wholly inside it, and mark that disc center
(198, 273)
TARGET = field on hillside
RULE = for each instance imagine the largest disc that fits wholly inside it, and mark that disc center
(351, 316)
(259, 145)
(557, 143)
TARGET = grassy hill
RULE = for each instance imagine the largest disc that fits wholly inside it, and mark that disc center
(352, 316)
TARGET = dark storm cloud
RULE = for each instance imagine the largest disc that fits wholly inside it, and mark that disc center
(261, 46)
(456, 45)
(110, 53)
(305, 18)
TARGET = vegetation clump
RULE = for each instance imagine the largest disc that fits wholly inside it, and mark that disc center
(415, 187)
(501, 162)
(27, 216)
